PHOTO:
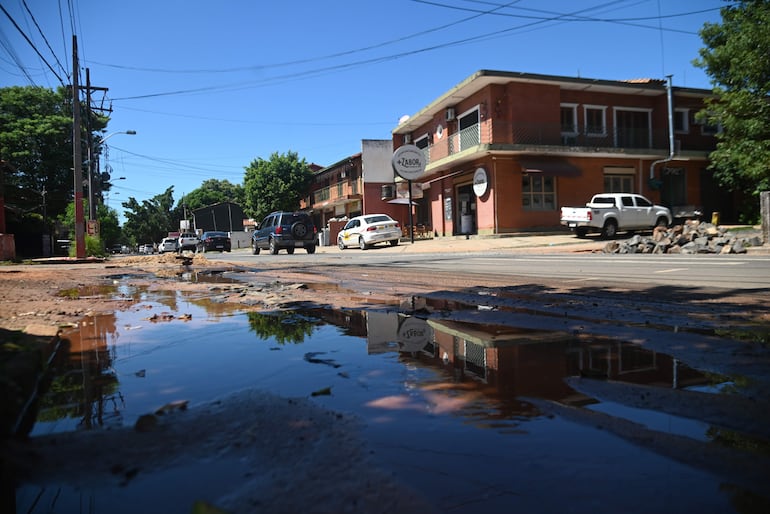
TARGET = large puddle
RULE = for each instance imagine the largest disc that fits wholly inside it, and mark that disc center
(454, 409)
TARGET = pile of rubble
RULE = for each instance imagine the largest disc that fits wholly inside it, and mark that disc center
(691, 237)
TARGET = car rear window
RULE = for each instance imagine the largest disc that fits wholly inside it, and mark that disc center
(297, 217)
(377, 219)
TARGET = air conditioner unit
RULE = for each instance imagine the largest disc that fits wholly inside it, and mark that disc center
(407, 138)
(388, 192)
(450, 113)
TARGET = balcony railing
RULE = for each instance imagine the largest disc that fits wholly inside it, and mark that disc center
(335, 191)
(550, 134)
(466, 138)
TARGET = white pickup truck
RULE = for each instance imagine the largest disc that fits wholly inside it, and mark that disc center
(610, 213)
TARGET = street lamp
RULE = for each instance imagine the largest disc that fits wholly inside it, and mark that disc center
(91, 213)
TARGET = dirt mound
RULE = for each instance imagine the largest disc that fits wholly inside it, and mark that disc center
(196, 259)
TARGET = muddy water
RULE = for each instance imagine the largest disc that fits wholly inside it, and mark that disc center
(456, 410)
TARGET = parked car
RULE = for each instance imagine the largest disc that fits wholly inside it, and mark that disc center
(147, 248)
(116, 248)
(369, 229)
(214, 240)
(188, 241)
(287, 230)
(169, 244)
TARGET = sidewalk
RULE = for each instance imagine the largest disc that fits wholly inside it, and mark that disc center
(537, 242)
(553, 242)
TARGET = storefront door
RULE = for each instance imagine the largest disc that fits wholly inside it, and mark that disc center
(465, 221)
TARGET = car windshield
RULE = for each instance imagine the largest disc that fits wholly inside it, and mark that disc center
(216, 234)
(377, 219)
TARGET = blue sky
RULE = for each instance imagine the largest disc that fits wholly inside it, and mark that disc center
(211, 86)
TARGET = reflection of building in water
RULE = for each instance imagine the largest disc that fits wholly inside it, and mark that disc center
(85, 386)
(526, 362)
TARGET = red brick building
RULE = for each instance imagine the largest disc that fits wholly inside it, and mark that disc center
(505, 150)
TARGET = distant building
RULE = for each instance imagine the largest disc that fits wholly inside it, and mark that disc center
(363, 183)
(225, 216)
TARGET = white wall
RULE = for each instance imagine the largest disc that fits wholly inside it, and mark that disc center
(376, 157)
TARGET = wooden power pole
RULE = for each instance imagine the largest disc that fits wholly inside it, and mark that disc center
(77, 159)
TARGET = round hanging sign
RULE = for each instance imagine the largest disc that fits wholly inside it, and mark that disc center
(480, 182)
(409, 162)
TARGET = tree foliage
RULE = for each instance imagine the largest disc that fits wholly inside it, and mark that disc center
(35, 140)
(276, 184)
(109, 225)
(737, 58)
(151, 220)
(213, 191)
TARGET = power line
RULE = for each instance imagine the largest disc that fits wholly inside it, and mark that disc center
(31, 44)
(32, 16)
(537, 20)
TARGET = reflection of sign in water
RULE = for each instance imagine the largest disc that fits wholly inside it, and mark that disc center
(413, 334)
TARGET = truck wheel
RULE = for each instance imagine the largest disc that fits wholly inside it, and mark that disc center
(310, 249)
(273, 247)
(662, 222)
(290, 250)
(254, 248)
(610, 229)
(581, 231)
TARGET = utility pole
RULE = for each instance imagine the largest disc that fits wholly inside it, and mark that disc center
(89, 134)
(77, 159)
(93, 157)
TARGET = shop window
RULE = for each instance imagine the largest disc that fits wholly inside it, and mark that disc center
(538, 193)
(618, 183)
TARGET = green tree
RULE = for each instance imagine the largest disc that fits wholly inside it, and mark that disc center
(213, 191)
(109, 225)
(737, 58)
(151, 220)
(35, 139)
(275, 185)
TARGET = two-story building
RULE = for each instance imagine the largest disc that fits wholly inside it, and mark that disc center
(505, 150)
(359, 184)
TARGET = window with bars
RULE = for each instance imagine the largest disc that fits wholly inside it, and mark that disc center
(538, 193)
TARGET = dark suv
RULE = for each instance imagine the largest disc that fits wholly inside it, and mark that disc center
(287, 230)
